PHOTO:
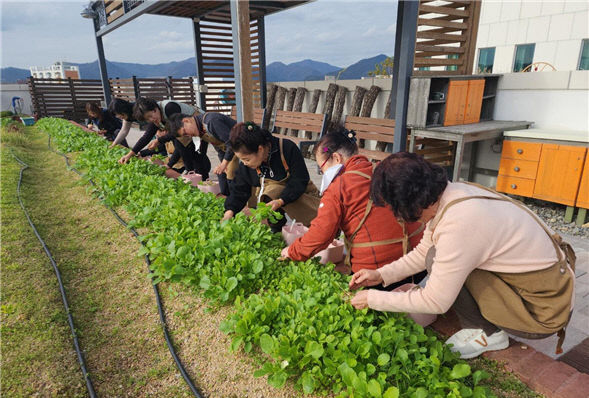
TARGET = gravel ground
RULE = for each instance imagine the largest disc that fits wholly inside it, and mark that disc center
(553, 215)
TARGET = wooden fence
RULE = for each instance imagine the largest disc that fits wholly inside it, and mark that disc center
(68, 97)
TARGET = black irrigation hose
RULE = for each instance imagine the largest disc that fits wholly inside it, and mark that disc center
(158, 300)
(70, 320)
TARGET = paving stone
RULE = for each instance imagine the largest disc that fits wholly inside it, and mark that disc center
(576, 387)
(529, 367)
(552, 378)
(447, 324)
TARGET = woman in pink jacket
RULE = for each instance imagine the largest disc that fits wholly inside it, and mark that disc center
(488, 257)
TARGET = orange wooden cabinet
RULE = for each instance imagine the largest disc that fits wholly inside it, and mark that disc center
(464, 101)
(559, 173)
(518, 167)
(544, 171)
(583, 196)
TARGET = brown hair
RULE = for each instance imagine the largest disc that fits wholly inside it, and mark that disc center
(94, 108)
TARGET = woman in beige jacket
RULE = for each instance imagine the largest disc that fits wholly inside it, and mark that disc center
(488, 257)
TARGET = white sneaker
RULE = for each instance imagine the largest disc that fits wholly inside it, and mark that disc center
(471, 343)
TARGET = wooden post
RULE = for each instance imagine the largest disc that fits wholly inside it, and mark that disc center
(475, 12)
(299, 98)
(280, 98)
(298, 107)
(314, 101)
(269, 105)
(330, 99)
(136, 88)
(359, 94)
(369, 100)
(292, 92)
(387, 109)
(242, 63)
(340, 99)
(74, 100)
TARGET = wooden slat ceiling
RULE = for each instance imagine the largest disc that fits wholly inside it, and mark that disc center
(219, 11)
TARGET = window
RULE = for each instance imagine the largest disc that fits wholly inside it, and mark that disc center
(524, 56)
(584, 59)
(486, 60)
(452, 67)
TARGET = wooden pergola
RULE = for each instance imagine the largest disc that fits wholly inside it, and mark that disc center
(229, 41)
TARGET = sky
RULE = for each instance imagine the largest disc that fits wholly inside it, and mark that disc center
(339, 32)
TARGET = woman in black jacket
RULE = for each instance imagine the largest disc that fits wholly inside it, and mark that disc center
(276, 169)
(103, 121)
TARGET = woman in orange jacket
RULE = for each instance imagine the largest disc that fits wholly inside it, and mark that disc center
(373, 235)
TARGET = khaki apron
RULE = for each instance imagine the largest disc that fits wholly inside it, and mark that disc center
(539, 302)
(217, 143)
(349, 242)
(304, 209)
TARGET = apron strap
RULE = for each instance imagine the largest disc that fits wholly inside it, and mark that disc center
(284, 164)
(349, 242)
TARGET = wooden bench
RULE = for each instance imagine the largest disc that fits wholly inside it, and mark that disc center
(286, 122)
(382, 131)
(258, 115)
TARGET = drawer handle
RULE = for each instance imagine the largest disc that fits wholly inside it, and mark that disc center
(516, 169)
(520, 151)
(513, 186)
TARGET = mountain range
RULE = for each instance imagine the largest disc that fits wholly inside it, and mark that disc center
(275, 72)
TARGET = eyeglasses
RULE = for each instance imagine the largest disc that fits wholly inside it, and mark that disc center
(319, 170)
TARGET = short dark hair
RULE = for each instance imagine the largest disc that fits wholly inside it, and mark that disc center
(174, 123)
(142, 106)
(408, 183)
(247, 137)
(119, 106)
(338, 140)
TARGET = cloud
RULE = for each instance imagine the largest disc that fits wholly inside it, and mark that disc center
(370, 32)
(338, 32)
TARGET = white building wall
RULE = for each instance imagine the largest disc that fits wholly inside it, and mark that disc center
(557, 28)
(8, 91)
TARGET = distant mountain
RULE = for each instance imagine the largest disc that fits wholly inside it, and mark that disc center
(360, 69)
(124, 70)
(298, 71)
(275, 72)
(11, 75)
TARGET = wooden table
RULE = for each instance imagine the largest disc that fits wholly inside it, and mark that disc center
(466, 133)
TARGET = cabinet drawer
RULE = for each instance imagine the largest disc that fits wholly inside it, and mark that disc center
(518, 168)
(521, 150)
(515, 185)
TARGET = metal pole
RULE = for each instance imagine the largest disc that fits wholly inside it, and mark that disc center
(262, 53)
(199, 69)
(410, 11)
(396, 57)
(102, 64)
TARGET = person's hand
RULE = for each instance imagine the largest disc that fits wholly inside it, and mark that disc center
(365, 277)
(228, 214)
(102, 132)
(111, 146)
(284, 254)
(360, 300)
(220, 169)
(153, 145)
(276, 204)
(125, 158)
(90, 125)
